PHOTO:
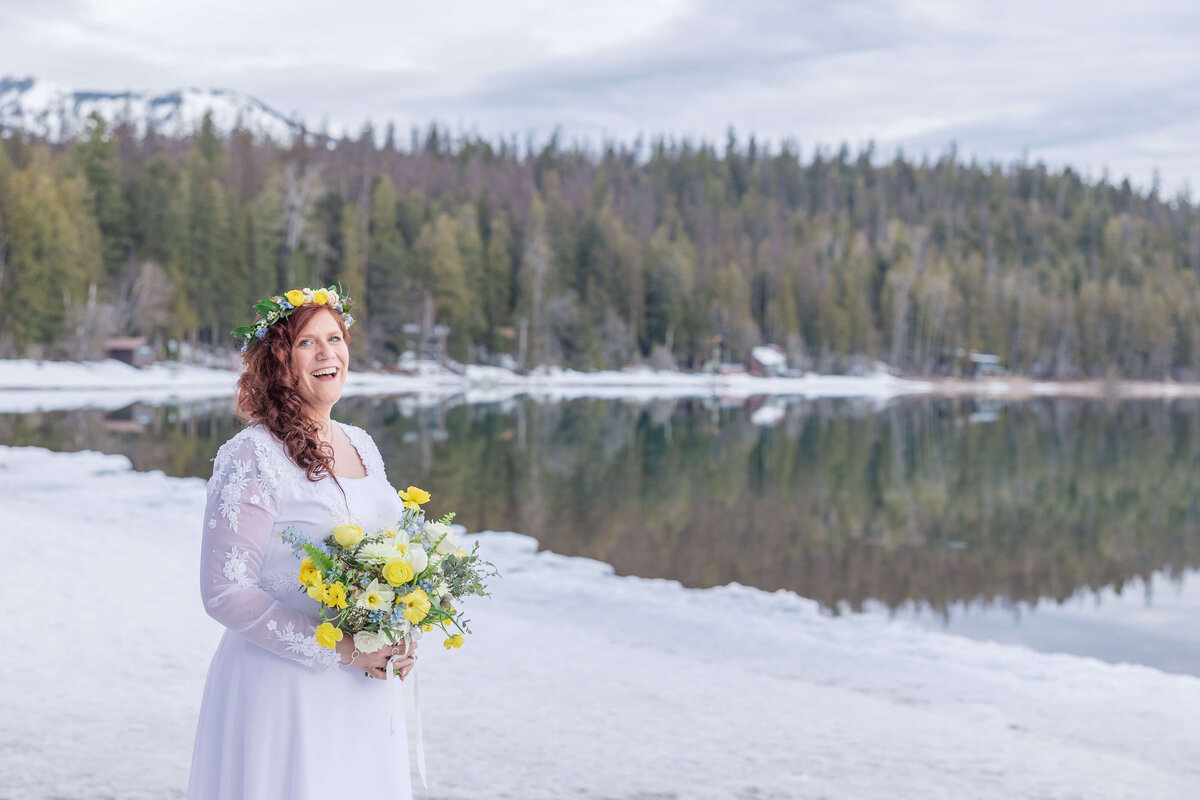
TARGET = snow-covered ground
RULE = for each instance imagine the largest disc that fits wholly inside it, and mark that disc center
(27, 385)
(577, 683)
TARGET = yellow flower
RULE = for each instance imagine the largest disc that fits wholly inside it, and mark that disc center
(320, 297)
(309, 573)
(453, 642)
(397, 572)
(427, 626)
(416, 606)
(328, 635)
(295, 297)
(348, 535)
(316, 590)
(414, 498)
(335, 595)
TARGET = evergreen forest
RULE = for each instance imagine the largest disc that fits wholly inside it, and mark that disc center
(666, 252)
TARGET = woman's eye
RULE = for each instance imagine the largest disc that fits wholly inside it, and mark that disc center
(335, 338)
(303, 342)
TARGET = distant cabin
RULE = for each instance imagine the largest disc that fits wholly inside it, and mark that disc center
(766, 361)
(985, 365)
(133, 350)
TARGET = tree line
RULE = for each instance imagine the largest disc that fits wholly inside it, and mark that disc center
(668, 252)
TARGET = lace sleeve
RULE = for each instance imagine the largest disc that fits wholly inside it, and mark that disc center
(242, 496)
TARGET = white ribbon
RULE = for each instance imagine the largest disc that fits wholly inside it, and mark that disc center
(392, 681)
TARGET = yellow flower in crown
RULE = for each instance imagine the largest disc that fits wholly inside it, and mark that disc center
(398, 572)
(453, 642)
(335, 595)
(416, 606)
(328, 635)
(348, 535)
(272, 310)
(414, 498)
(309, 573)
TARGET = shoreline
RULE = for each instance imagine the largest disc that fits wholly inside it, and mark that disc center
(26, 384)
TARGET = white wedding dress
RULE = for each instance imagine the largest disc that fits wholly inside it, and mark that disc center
(281, 718)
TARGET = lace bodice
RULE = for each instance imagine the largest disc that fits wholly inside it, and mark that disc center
(248, 576)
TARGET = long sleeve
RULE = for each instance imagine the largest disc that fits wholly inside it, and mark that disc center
(238, 518)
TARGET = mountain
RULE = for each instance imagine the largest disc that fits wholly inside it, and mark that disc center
(57, 113)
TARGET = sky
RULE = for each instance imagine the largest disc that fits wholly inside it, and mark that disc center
(1101, 86)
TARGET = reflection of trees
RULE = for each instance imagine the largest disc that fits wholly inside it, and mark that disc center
(840, 502)
(180, 440)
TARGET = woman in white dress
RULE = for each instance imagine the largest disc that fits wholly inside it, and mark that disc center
(283, 718)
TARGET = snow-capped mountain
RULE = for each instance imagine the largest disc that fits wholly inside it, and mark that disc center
(56, 112)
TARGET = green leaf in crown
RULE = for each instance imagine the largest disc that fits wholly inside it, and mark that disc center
(271, 310)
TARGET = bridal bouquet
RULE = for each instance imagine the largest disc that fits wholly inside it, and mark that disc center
(381, 586)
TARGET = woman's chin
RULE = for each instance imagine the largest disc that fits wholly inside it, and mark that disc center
(322, 398)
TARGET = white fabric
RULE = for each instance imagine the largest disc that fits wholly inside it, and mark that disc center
(281, 719)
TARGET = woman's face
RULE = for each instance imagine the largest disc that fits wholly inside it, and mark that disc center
(319, 360)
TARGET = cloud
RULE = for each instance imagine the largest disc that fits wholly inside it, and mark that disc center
(1098, 83)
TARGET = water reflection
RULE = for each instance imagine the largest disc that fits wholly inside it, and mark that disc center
(1151, 623)
(924, 501)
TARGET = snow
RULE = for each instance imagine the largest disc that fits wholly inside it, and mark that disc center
(577, 682)
(27, 385)
(56, 112)
(768, 356)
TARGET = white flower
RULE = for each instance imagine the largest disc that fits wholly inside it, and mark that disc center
(417, 557)
(370, 641)
(375, 597)
(380, 552)
(449, 540)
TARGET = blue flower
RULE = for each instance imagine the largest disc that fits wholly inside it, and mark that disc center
(285, 304)
(349, 320)
(245, 344)
(260, 332)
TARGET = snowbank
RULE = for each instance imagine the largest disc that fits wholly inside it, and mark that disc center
(27, 385)
(577, 683)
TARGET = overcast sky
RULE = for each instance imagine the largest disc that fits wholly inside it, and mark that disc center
(1097, 85)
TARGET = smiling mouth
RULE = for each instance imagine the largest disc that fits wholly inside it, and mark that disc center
(326, 374)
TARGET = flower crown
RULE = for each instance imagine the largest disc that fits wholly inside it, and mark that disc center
(274, 309)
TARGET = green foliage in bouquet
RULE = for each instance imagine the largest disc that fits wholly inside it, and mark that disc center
(384, 586)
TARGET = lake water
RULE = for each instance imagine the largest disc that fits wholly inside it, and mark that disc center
(1065, 525)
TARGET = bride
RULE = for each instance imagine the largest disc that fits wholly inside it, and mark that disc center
(283, 718)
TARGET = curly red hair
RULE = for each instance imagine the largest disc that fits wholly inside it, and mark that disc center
(267, 393)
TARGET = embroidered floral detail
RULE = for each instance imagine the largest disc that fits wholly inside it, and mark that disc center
(279, 581)
(212, 523)
(305, 646)
(238, 475)
(367, 451)
(235, 566)
(268, 469)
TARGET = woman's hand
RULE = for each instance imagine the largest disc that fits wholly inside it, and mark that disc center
(374, 664)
